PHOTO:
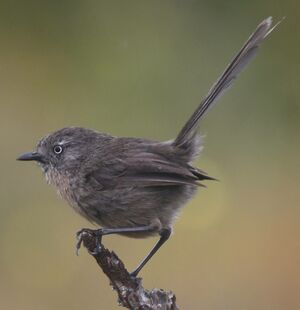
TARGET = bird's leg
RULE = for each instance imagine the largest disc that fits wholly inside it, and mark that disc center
(98, 233)
(164, 236)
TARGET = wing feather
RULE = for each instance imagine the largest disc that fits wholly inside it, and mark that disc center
(146, 169)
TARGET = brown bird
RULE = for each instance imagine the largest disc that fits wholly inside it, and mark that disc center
(133, 186)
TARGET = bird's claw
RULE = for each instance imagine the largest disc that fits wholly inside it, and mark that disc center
(95, 233)
(79, 237)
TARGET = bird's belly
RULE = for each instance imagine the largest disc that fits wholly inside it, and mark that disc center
(136, 207)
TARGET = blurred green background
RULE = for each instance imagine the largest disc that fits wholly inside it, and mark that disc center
(139, 68)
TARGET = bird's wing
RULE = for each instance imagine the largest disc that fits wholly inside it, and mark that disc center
(145, 169)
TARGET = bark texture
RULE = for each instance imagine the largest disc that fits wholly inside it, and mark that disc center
(131, 293)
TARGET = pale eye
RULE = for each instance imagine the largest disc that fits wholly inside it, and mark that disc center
(57, 149)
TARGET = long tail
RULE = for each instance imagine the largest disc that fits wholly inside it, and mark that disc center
(188, 132)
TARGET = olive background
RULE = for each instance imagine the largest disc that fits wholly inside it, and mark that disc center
(139, 68)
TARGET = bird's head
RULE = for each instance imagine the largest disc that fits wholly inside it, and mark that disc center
(64, 150)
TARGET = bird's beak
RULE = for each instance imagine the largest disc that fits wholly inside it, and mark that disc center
(31, 156)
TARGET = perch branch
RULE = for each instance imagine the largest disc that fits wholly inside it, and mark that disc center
(131, 293)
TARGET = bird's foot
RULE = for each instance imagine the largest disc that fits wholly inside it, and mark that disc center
(81, 234)
(134, 274)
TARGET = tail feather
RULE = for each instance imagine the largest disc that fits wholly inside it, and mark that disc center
(188, 133)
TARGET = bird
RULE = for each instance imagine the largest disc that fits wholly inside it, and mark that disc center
(134, 186)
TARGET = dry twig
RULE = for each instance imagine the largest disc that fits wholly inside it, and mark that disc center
(131, 293)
